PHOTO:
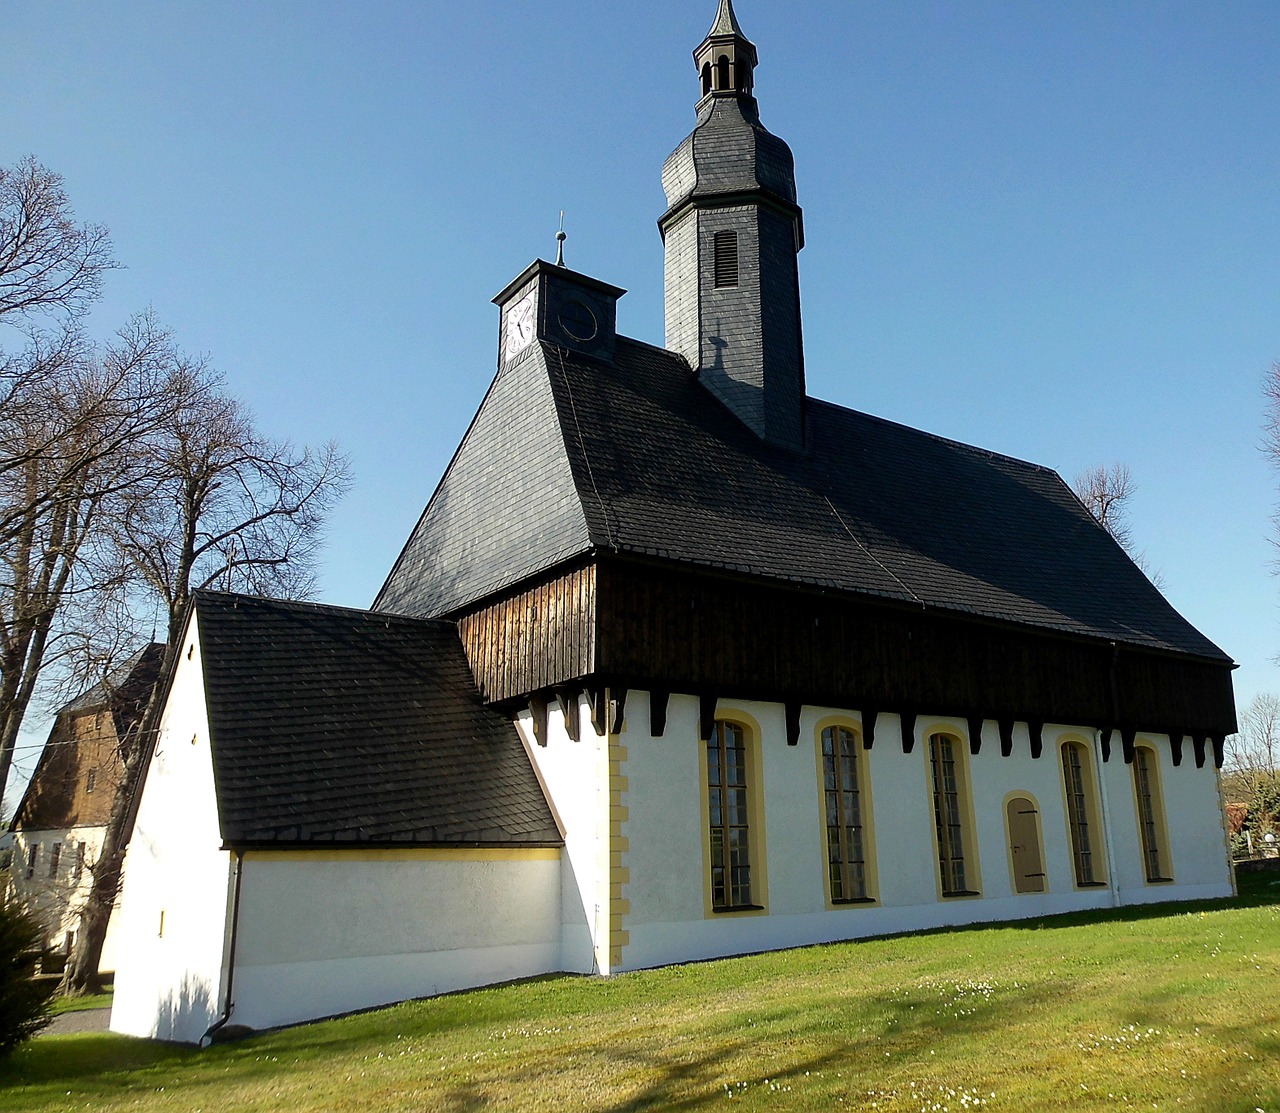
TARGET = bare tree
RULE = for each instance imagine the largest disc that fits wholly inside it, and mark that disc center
(60, 420)
(71, 417)
(223, 507)
(1271, 432)
(1105, 492)
(1252, 756)
(48, 263)
(128, 480)
(1251, 769)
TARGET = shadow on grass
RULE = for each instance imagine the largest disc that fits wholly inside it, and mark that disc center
(707, 1072)
(79, 1058)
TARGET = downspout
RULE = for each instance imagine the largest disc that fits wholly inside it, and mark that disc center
(1103, 797)
(218, 1024)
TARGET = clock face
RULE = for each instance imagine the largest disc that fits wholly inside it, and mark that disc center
(578, 320)
(520, 325)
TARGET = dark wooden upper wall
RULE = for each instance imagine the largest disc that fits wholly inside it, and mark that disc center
(639, 625)
(533, 639)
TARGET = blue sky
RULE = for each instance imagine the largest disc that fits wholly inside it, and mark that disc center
(1050, 229)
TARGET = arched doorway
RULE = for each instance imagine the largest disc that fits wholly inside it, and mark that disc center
(1021, 817)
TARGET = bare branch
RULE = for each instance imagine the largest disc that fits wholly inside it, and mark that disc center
(48, 263)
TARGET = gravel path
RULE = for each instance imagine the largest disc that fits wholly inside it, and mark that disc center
(86, 1020)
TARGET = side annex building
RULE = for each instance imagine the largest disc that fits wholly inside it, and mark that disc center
(679, 662)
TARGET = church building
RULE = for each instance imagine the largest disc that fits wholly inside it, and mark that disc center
(679, 662)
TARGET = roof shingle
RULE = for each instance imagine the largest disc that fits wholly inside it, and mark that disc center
(337, 726)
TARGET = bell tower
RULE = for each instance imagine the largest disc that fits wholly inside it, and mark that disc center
(731, 233)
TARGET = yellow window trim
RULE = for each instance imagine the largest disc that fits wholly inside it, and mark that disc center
(1093, 812)
(1158, 813)
(756, 824)
(853, 723)
(959, 734)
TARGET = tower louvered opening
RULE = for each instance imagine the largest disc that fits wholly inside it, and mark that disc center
(726, 258)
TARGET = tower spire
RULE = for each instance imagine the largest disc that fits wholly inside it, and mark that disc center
(726, 22)
(726, 58)
(731, 233)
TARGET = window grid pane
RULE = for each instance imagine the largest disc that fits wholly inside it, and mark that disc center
(946, 815)
(1077, 813)
(728, 817)
(846, 865)
(1147, 815)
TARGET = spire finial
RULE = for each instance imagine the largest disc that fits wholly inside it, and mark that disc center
(727, 58)
(726, 23)
(561, 236)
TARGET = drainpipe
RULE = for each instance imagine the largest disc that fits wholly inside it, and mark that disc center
(218, 1024)
(1112, 884)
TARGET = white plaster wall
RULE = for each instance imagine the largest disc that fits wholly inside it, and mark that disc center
(668, 920)
(323, 932)
(169, 980)
(1198, 852)
(59, 901)
(574, 776)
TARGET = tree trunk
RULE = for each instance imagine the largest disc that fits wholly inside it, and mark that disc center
(81, 974)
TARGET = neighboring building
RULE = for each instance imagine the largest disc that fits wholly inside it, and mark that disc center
(60, 823)
(678, 663)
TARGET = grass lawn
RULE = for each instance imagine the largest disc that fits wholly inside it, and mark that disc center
(80, 1004)
(1176, 1007)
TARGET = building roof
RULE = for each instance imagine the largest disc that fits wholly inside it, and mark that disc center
(128, 684)
(570, 455)
(57, 797)
(341, 727)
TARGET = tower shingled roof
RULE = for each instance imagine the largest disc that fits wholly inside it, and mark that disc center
(726, 22)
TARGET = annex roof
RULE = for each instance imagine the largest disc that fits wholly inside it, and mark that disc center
(569, 455)
(341, 727)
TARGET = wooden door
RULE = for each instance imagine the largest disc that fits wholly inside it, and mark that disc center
(1024, 843)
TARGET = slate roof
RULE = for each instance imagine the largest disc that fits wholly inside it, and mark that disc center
(656, 466)
(128, 684)
(340, 727)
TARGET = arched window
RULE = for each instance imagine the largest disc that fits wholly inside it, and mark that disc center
(950, 816)
(742, 76)
(706, 78)
(1083, 823)
(722, 72)
(844, 798)
(1150, 804)
(729, 818)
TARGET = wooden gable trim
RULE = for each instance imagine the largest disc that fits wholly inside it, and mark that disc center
(1035, 729)
(1006, 736)
(706, 715)
(658, 712)
(975, 733)
(908, 719)
(792, 713)
(568, 698)
(619, 709)
(538, 711)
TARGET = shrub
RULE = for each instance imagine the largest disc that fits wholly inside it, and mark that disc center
(24, 1001)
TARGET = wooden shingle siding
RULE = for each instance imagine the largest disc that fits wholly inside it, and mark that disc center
(534, 639)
